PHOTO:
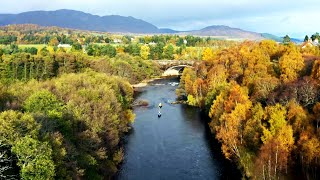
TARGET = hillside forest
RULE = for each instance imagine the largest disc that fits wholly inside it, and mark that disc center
(263, 102)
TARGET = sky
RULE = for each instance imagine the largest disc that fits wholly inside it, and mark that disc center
(280, 17)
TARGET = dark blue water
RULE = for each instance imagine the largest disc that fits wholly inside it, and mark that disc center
(177, 145)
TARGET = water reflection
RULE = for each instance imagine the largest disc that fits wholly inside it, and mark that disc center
(176, 146)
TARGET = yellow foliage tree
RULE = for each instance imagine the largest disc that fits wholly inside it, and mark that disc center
(208, 55)
(229, 132)
(144, 52)
(291, 63)
(120, 49)
(187, 79)
(269, 46)
(316, 70)
(51, 49)
(276, 117)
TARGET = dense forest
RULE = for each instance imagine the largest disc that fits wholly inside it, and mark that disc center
(64, 109)
(263, 101)
(63, 113)
(65, 122)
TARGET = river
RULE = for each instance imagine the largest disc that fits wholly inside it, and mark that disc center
(178, 145)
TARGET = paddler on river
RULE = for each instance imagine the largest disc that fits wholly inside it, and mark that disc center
(160, 106)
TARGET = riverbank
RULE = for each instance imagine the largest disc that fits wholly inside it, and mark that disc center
(145, 83)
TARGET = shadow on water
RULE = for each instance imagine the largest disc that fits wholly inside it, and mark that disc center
(228, 170)
(178, 145)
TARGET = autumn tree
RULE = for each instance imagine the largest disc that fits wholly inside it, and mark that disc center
(309, 153)
(316, 111)
(298, 117)
(199, 90)
(277, 143)
(208, 54)
(54, 41)
(291, 63)
(187, 79)
(231, 122)
(270, 47)
(315, 74)
(253, 128)
(145, 52)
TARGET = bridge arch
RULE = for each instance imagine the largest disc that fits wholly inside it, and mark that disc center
(175, 70)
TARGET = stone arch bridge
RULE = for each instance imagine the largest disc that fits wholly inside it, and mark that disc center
(174, 67)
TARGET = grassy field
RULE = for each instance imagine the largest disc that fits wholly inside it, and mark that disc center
(38, 46)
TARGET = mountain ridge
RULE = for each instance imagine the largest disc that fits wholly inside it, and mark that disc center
(74, 19)
(79, 20)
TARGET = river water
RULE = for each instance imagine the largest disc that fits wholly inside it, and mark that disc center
(178, 145)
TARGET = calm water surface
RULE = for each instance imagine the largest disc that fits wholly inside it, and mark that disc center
(178, 145)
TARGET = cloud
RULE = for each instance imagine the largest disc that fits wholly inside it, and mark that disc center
(286, 16)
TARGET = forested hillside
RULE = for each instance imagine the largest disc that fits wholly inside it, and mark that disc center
(263, 101)
(64, 112)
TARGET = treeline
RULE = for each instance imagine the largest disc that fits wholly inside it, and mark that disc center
(153, 47)
(64, 128)
(34, 34)
(263, 101)
(7, 39)
(25, 66)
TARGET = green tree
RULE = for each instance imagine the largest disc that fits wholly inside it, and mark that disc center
(168, 52)
(31, 50)
(15, 125)
(76, 46)
(43, 102)
(286, 39)
(108, 50)
(34, 159)
(315, 36)
(107, 40)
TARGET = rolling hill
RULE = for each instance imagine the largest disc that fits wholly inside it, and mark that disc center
(118, 24)
(80, 20)
(226, 32)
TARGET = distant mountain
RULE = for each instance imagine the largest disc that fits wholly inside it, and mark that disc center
(80, 20)
(226, 32)
(118, 24)
(167, 30)
(271, 36)
(297, 40)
